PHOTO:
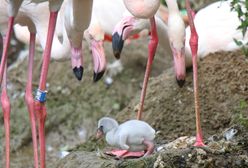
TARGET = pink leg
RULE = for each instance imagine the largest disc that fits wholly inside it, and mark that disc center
(150, 147)
(6, 113)
(152, 50)
(5, 47)
(29, 98)
(41, 93)
(193, 42)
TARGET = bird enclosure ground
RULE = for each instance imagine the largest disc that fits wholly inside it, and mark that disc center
(169, 109)
(75, 107)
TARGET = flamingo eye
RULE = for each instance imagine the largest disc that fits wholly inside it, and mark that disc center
(101, 128)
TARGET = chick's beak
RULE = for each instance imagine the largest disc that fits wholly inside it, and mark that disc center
(99, 133)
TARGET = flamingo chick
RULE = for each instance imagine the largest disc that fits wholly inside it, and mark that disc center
(125, 137)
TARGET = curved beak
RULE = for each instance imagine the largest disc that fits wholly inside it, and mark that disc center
(99, 133)
(76, 62)
(99, 59)
(179, 65)
(121, 32)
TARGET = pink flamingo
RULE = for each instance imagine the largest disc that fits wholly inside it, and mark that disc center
(145, 10)
(13, 7)
(36, 106)
(99, 28)
(176, 33)
(214, 21)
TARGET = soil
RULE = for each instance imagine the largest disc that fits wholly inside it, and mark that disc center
(170, 110)
(74, 108)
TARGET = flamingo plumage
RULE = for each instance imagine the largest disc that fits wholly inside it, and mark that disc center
(36, 105)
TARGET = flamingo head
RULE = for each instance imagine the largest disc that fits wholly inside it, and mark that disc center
(179, 63)
(76, 61)
(105, 125)
(99, 132)
(99, 59)
(128, 26)
(176, 33)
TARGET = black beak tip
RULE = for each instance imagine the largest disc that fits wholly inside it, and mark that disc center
(98, 76)
(117, 44)
(180, 82)
(117, 54)
(78, 72)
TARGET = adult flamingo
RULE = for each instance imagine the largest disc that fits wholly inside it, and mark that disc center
(75, 26)
(13, 7)
(72, 36)
(105, 10)
(172, 37)
(102, 10)
(176, 35)
(40, 98)
(146, 10)
(214, 21)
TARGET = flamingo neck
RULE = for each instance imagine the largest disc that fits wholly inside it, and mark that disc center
(13, 7)
(172, 6)
(162, 30)
(81, 19)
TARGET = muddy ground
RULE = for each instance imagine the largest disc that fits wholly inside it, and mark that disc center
(74, 107)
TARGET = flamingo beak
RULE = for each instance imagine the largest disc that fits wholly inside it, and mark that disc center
(76, 62)
(99, 59)
(179, 65)
(78, 72)
(117, 44)
(121, 32)
(99, 133)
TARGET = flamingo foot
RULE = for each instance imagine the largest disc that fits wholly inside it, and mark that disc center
(199, 141)
(121, 154)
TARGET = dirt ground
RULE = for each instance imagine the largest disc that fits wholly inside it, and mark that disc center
(74, 107)
(170, 110)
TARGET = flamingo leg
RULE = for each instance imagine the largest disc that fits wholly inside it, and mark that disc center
(29, 98)
(40, 97)
(6, 113)
(5, 47)
(193, 42)
(152, 46)
(150, 147)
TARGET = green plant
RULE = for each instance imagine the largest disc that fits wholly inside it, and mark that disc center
(241, 7)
